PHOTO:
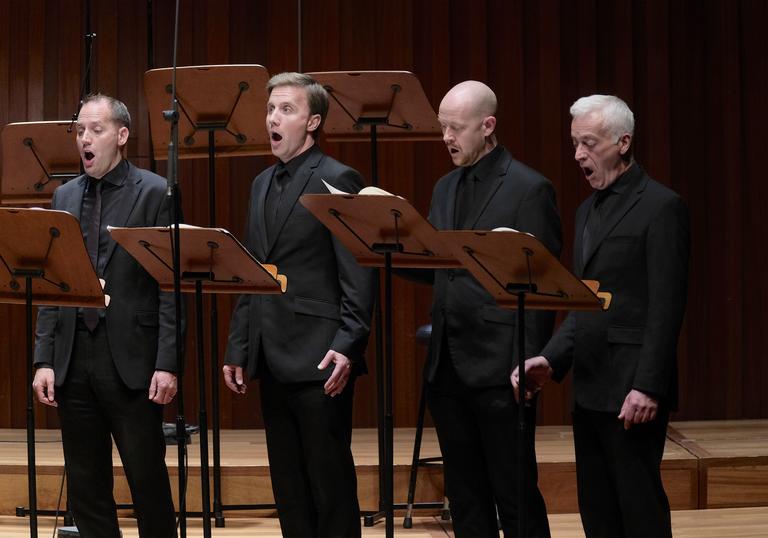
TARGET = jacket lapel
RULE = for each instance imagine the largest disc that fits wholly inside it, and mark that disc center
(627, 200)
(130, 194)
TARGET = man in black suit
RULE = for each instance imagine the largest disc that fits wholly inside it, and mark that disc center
(632, 237)
(473, 350)
(108, 371)
(306, 346)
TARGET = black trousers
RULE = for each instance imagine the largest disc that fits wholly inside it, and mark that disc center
(95, 406)
(309, 437)
(477, 430)
(618, 475)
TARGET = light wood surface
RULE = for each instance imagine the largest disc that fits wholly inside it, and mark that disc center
(717, 464)
(721, 523)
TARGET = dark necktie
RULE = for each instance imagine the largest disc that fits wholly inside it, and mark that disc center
(594, 222)
(92, 220)
(465, 199)
(274, 200)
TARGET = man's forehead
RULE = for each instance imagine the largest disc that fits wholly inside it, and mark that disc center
(285, 94)
(95, 112)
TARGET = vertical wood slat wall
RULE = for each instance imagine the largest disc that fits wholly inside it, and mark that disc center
(695, 74)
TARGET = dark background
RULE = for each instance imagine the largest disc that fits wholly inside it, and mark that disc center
(694, 72)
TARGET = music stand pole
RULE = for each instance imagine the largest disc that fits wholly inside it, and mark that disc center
(216, 427)
(521, 497)
(206, 509)
(31, 477)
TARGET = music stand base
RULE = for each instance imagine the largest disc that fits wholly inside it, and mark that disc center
(69, 532)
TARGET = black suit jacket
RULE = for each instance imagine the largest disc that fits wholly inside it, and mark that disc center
(640, 255)
(140, 320)
(329, 297)
(481, 335)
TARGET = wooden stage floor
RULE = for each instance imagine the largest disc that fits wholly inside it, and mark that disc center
(713, 464)
(713, 523)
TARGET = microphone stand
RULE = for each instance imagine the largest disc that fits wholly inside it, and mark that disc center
(172, 116)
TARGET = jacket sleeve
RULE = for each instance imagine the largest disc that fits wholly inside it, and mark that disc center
(358, 286)
(47, 317)
(667, 251)
(559, 350)
(166, 338)
(237, 342)
(538, 216)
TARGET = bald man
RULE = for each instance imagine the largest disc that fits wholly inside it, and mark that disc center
(473, 349)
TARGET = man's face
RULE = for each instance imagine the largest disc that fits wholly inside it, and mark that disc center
(99, 138)
(598, 153)
(289, 123)
(464, 130)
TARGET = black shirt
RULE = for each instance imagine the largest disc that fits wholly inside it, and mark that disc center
(474, 185)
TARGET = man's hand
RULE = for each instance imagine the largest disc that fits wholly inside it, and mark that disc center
(343, 367)
(638, 408)
(233, 378)
(43, 385)
(162, 388)
(537, 373)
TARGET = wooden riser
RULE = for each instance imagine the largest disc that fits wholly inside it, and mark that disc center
(706, 465)
(719, 523)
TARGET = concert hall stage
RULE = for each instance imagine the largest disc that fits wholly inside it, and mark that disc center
(707, 465)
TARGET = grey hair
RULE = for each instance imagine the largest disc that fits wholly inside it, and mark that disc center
(120, 112)
(617, 118)
(317, 96)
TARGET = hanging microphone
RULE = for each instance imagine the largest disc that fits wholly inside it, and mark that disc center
(85, 86)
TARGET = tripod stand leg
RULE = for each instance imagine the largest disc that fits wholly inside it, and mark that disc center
(408, 521)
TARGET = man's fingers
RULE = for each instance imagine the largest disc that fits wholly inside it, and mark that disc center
(327, 360)
(338, 380)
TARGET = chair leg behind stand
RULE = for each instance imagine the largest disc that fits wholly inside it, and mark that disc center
(422, 337)
(415, 461)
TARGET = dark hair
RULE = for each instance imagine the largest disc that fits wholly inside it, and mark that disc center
(120, 112)
(317, 96)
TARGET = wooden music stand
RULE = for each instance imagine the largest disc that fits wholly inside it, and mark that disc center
(366, 105)
(43, 253)
(37, 156)
(383, 231)
(212, 261)
(370, 223)
(223, 100)
(392, 101)
(504, 261)
(521, 273)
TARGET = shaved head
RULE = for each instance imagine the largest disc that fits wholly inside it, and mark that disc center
(467, 118)
(475, 96)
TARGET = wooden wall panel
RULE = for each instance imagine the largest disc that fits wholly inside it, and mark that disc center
(695, 73)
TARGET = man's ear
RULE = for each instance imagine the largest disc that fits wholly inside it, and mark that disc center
(489, 125)
(313, 123)
(122, 136)
(624, 142)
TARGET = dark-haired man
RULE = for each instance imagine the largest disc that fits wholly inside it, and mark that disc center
(109, 371)
(305, 346)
